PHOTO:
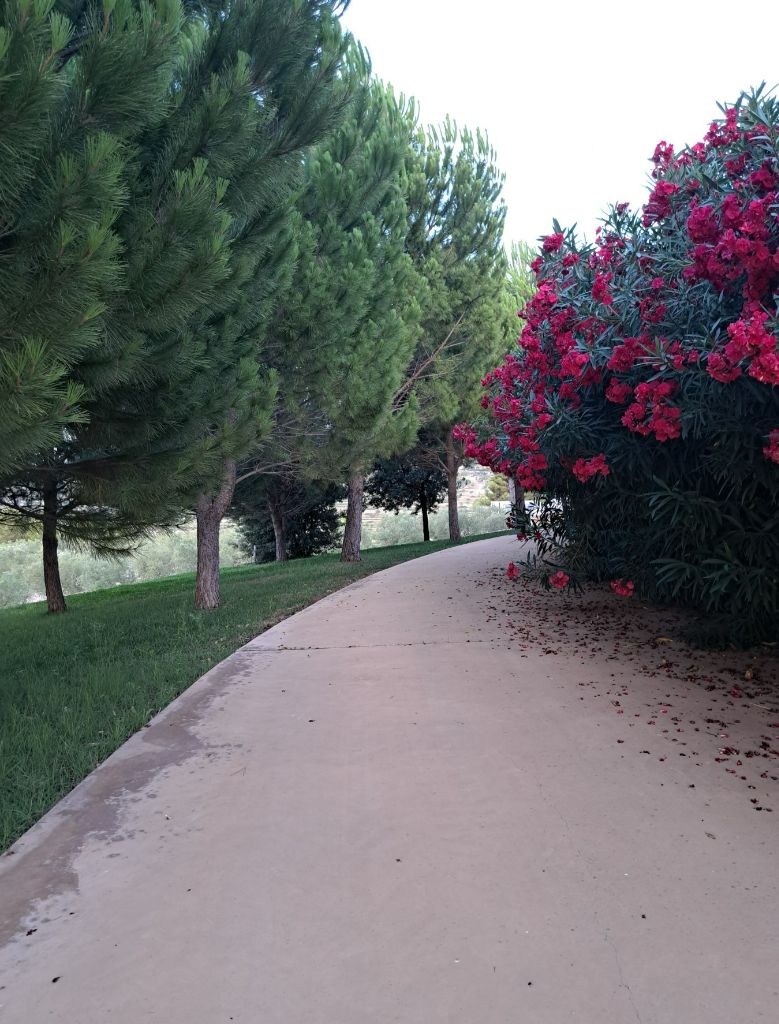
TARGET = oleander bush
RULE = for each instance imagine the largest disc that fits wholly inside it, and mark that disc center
(642, 400)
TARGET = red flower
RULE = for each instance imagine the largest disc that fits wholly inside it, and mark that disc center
(624, 356)
(659, 205)
(584, 469)
(721, 369)
(618, 391)
(764, 178)
(748, 338)
(559, 580)
(662, 156)
(702, 224)
(771, 450)
(553, 242)
(573, 362)
(624, 588)
(651, 413)
(513, 571)
(765, 368)
(600, 289)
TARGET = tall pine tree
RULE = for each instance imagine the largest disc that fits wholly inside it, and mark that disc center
(347, 328)
(174, 387)
(456, 219)
(294, 55)
(283, 516)
(74, 96)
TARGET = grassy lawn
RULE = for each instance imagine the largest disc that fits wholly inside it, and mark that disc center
(74, 687)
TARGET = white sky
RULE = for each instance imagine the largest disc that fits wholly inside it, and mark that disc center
(573, 93)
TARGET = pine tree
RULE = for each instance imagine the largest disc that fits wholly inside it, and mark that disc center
(64, 141)
(294, 54)
(74, 96)
(456, 219)
(348, 326)
(497, 489)
(48, 507)
(174, 387)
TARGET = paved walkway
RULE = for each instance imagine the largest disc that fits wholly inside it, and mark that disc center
(388, 810)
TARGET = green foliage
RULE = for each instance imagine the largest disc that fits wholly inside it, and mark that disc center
(521, 280)
(162, 554)
(406, 481)
(72, 101)
(305, 512)
(455, 239)
(497, 489)
(148, 237)
(209, 233)
(404, 527)
(348, 325)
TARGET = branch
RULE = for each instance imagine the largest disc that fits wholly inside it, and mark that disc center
(411, 380)
(270, 467)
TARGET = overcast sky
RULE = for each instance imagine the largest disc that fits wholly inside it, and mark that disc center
(574, 95)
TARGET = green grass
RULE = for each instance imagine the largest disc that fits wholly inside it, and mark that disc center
(74, 687)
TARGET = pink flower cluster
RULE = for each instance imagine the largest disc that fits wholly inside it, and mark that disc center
(659, 205)
(749, 340)
(624, 337)
(600, 289)
(735, 245)
(651, 413)
(585, 469)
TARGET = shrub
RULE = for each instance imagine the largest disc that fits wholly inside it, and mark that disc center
(643, 400)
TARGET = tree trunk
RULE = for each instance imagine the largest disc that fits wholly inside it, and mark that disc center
(452, 466)
(516, 495)
(209, 512)
(425, 519)
(350, 550)
(279, 529)
(55, 599)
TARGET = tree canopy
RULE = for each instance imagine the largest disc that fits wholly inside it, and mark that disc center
(412, 480)
(155, 212)
(229, 252)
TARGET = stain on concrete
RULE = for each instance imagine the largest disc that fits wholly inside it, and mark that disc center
(38, 871)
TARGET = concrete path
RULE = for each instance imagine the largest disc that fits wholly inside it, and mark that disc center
(392, 808)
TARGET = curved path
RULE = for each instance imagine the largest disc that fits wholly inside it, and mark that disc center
(382, 811)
